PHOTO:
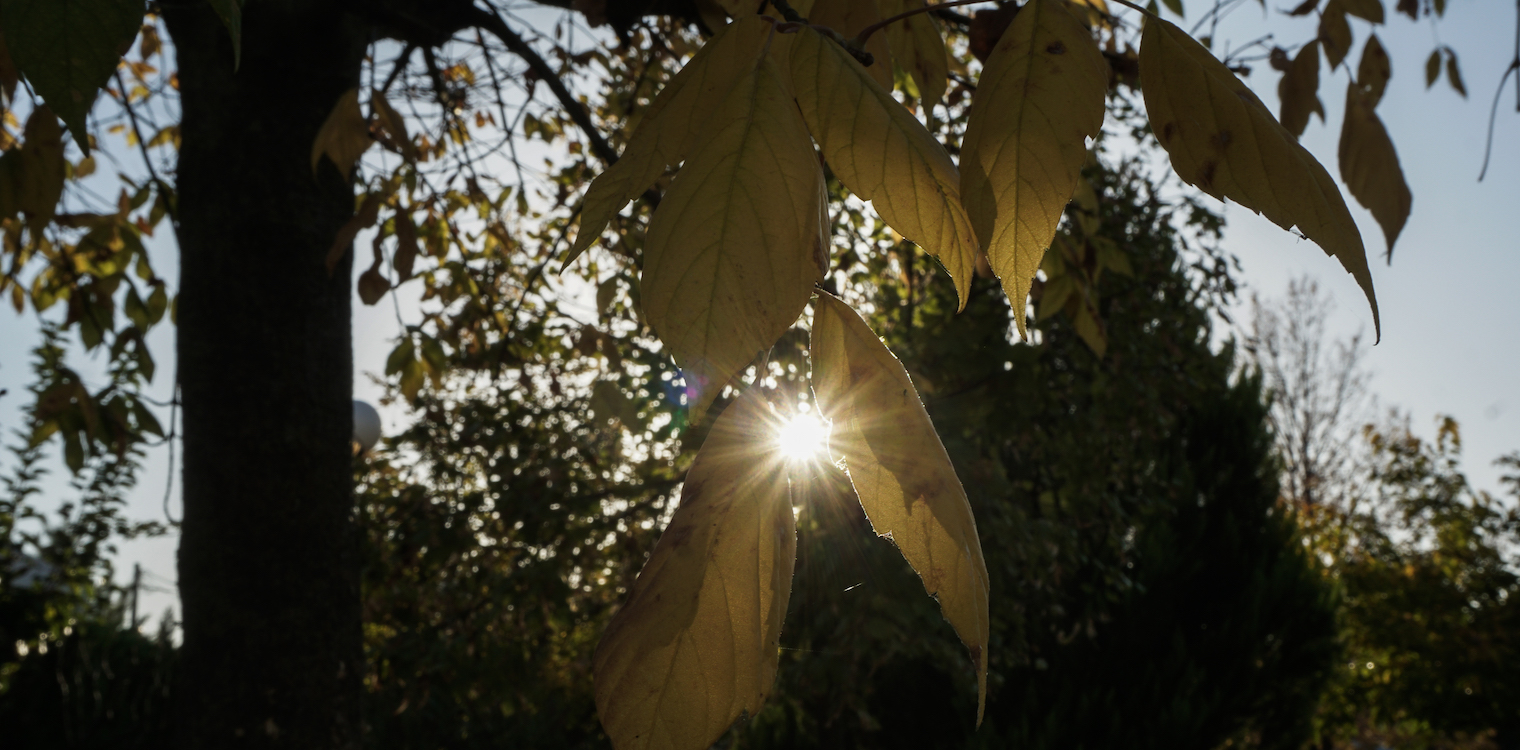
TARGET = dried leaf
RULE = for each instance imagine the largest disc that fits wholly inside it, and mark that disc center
(883, 153)
(1222, 139)
(1370, 166)
(695, 644)
(1373, 72)
(1298, 90)
(365, 217)
(849, 17)
(672, 128)
(1335, 32)
(68, 49)
(406, 245)
(901, 471)
(918, 48)
(1369, 10)
(738, 242)
(344, 136)
(1041, 95)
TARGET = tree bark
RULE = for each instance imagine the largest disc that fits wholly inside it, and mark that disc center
(268, 570)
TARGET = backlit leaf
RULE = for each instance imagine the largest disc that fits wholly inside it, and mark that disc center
(901, 471)
(738, 241)
(883, 153)
(68, 49)
(393, 125)
(672, 126)
(1222, 139)
(1299, 90)
(344, 135)
(1373, 72)
(918, 47)
(696, 643)
(1370, 166)
(1335, 32)
(1369, 10)
(1041, 95)
(848, 17)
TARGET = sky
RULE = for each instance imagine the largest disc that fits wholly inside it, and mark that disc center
(1447, 300)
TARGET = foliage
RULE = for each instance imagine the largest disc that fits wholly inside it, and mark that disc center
(732, 254)
(1432, 589)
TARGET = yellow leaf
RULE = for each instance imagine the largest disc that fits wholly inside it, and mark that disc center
(1374, 71)
(738, 241)
(1370, 10)
(848, 17)
(917, 46)
(901, 471)
(883, 153)
(1040, 96)
(1370, 166)
(344, 136)
(393, 125)
(672, 127)
(1335, 32)
(696, 643)
(1222, 139)
(1298, 90)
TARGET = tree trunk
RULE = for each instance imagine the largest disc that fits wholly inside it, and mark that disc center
(267, 566)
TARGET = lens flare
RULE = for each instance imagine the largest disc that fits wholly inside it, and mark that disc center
(802, 437)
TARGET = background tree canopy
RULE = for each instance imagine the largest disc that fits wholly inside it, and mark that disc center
(1116, 465)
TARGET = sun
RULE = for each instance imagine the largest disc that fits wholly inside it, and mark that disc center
(802, 437)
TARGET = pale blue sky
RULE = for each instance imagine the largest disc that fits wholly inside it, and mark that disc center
(1447, 301)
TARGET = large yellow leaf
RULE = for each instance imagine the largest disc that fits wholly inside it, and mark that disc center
(849, 17)
(672, 127)
(900, 470)
(883, 153)
(1370, 166)
(1222, 139)
(738, 241)
(1299, 90)
(344, 135)
(696, 644)
(918, 47)
(1041, 95)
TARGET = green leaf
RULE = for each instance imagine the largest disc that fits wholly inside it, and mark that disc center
(1453, 73)
(231, 13)
(883, 153)
(739, 239)
(696, 643)
(901, 471)
(1221, 138)
(1041, 95)
(1174, 6)
(68, 50)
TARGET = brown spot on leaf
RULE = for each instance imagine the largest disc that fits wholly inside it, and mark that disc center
(1167, 131)
(1056, 48)
(1206, 175)
(1221, 140)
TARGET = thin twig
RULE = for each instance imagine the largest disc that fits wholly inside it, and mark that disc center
(1493, 113)
(142, 145)
(865, 33)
